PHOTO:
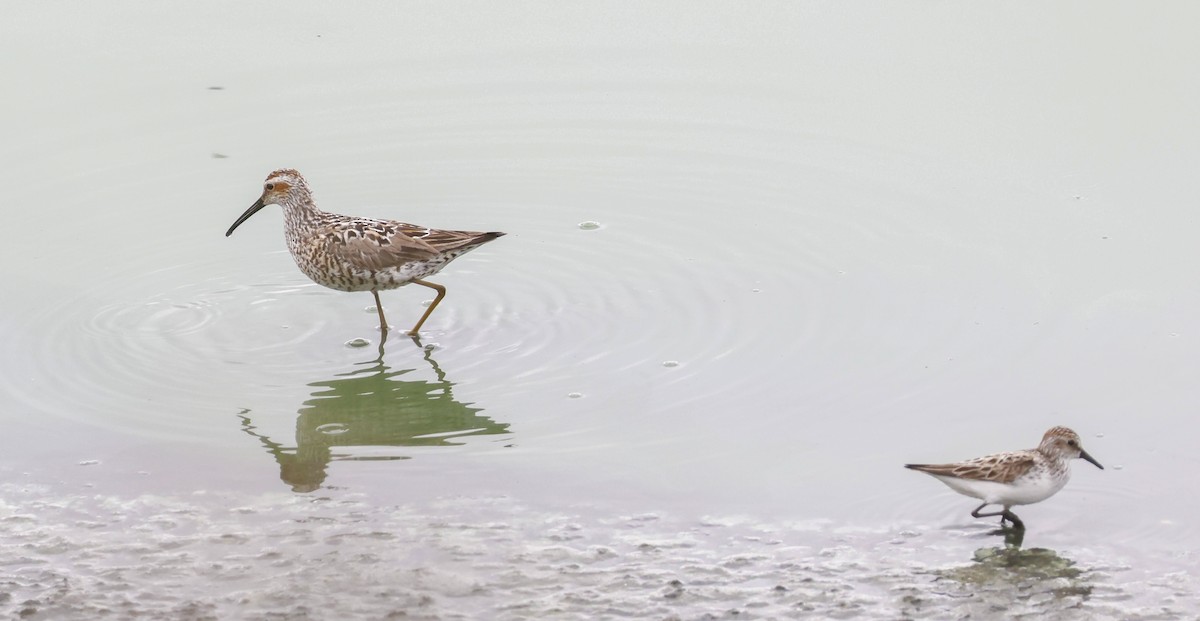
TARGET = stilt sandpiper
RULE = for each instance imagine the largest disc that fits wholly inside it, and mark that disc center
(348, 253)
(1016, 477)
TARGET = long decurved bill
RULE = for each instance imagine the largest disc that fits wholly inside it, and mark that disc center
(258, 204)
(1083, 455)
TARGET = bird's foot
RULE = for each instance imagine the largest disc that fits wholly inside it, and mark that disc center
(1011, 518)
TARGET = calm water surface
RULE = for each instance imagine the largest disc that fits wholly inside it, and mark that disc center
(829, 240)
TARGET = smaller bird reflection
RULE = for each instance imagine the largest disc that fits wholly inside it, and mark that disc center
(1005, 578)
(1013, 537)
(373, 406)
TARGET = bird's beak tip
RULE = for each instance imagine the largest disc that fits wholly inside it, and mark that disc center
(258, 204)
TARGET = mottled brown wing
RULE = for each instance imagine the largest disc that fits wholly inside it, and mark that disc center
(374, 247)
(1003, 468)
(442, 240)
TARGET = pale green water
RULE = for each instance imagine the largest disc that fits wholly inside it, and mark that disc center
(867, 235)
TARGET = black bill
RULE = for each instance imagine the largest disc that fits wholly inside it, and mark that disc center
(258, 204)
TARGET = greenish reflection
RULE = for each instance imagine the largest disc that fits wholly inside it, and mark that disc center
(372, 406)
(1008, 578)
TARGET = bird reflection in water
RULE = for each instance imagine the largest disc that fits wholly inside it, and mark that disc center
(1021, 582)
(373, 406)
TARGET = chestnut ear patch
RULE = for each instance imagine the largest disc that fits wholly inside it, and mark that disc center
(280, 185)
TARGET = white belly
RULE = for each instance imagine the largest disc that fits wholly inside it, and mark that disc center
(1023, 491)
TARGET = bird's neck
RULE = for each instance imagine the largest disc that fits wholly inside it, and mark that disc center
(1056, 460)
(300, 214)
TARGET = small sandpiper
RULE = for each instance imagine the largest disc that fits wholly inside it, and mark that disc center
(1016, 477)
(348, 253)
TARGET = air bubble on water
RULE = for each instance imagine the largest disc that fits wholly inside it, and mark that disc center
(589, 225)
(426, 303)
(359, 342)
(89, 462)
(574, 395)
(671, 363)
(333, 429)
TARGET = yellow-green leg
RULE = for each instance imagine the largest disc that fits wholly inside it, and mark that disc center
(441, 293)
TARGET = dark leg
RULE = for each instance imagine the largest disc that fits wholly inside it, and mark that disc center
(976, 513)
(1004, 515)
(441, 293)
(379, 307)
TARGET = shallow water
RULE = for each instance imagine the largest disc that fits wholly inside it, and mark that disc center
(827, 241)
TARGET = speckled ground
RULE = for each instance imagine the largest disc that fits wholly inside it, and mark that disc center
(297, 557)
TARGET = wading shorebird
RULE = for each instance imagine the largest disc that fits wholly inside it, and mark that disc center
(1016, 477)
(348, 253)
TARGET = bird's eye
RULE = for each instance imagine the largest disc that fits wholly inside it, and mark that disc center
(270, 186)
(1072, 443)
